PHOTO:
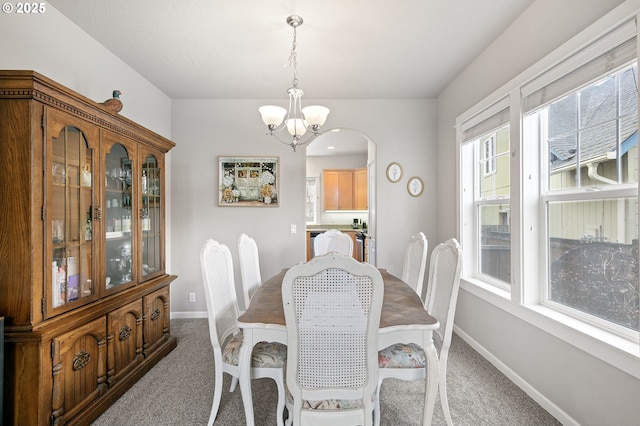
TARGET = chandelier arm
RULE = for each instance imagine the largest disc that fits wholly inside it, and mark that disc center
(292, 108)
(303, 140)
(278, 129)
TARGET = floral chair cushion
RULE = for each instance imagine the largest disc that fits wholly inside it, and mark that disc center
(328, 404)
(265, 355)
(402, 356)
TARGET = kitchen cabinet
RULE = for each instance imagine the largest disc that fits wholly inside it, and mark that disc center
(338, 189)
(345, 189)
(83, 285)
(360, 189)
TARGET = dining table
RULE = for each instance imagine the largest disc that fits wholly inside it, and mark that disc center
(403, 320)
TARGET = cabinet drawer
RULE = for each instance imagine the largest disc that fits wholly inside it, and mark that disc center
(124, 340)
(155, 320)
(79, 369)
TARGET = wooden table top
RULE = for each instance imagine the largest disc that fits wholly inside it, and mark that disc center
(400, 306)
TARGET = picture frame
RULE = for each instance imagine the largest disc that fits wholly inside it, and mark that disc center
(415, 186)
(248, 181)
(394, 172)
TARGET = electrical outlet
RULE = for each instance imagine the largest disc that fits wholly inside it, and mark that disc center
(292, 229)
(192, 297)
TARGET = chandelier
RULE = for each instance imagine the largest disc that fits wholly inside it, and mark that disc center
(299, 121)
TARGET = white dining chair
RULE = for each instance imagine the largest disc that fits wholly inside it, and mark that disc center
(332, 307)
(415, 262)
(249, 266)
(408, 361)
(333, 241)
(267, 359)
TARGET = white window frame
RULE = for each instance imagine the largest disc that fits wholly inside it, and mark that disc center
(573, 194)
(524, 301)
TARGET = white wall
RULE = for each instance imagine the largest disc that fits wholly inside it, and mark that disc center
(52, 45)
(573, 385)
(404, 131)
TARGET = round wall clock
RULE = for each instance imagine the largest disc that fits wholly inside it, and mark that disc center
(394, 172)
(415, 186)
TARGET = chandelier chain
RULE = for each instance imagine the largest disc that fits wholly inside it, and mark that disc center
(293, 58)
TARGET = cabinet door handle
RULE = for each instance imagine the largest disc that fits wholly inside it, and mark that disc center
(81, 360)
(125, 333)
(155, 314)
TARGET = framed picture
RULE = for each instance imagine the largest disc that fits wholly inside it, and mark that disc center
(415, 186)
(248, 181)
(394, 172)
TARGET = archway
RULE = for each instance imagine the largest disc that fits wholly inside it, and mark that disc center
(339, 146)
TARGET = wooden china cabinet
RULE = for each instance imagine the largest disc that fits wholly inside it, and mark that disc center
(83, 286)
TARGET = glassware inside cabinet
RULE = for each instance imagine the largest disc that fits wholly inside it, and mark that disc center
(150, 216)
(118, 220)
(69, 216)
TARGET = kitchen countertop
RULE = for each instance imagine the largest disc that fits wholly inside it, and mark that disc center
(325, 227)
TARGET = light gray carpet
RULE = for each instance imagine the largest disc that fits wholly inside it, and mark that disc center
(179, 391)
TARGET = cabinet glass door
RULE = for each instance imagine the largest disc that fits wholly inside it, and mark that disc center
(70, 218)
(150, 216)
(118, 218)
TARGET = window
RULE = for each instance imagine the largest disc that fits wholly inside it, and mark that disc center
(311, 201)
(493, 207)
(489, 155)
(549, 188)
(589, 141)
(487, 147)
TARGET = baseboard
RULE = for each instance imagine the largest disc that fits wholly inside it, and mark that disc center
(197, 314)
(538, 397)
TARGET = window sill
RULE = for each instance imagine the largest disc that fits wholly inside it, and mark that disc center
(608, 347)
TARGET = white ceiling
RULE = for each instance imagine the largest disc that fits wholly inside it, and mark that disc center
(346, 49)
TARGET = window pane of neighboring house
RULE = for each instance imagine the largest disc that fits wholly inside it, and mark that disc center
(593, 237)
(590, 133)
(489, 155)
(493, 206)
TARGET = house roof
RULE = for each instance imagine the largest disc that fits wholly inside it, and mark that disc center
(595, 108)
